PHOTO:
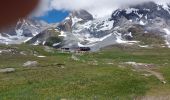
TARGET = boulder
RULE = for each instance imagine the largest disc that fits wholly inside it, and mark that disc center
(7, 70)
(30, 64)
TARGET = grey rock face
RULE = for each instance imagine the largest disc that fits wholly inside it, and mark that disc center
(148, 19)
(145, 12)
(66, 25)
(83, 14)
(21, 31)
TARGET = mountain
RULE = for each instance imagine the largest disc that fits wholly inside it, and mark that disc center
(148, 19)
(145, 25)
(50, 37)
(83, 30)
(22, 31)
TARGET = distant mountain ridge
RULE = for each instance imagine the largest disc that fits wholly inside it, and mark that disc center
(144, 24)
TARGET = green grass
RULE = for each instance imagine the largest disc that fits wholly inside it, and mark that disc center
(81, 80)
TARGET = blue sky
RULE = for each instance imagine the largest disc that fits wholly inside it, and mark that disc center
(54, 16)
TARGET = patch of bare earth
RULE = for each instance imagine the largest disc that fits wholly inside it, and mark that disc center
(150, 68)
(165, 97)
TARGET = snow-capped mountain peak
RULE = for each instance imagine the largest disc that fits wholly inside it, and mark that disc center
(146, 11)
(147, 18)
(23, 30)
(143, 24)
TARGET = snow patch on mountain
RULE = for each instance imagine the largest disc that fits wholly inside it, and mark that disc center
(23, 31)
(130, 10)
(62, 34)
(75, 20)
(167, 36)
(101, 24)
(106, 23)
(142, 23)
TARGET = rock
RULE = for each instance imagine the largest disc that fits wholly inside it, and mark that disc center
(23, 53)
(164, 82)
(82, 14)
(122, 66)
(41, 56)
(30, 64)
(140, 65)
(61, 66)
(110, 63)
(48, 49)
(63, 99)
(75, 58)
(7, 70)
(147, 75)
(6, 51)
(94, 62)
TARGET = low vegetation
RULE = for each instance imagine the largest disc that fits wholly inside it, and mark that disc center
(93, 76)
(52, 40)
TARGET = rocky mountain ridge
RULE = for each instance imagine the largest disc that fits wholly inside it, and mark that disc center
(143, 24)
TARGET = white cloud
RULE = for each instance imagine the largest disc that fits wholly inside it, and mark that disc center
(97, 7)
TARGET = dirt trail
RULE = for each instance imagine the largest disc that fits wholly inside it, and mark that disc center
(165, 97)
(148, 68)
(157, 74)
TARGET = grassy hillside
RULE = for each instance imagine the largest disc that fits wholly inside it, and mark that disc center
(93, 76)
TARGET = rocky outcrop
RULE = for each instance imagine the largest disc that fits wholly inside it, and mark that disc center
(82, 14)
(7, 70)
(30, 64)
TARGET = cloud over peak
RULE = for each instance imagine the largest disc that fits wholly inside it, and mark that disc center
(99, 8)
